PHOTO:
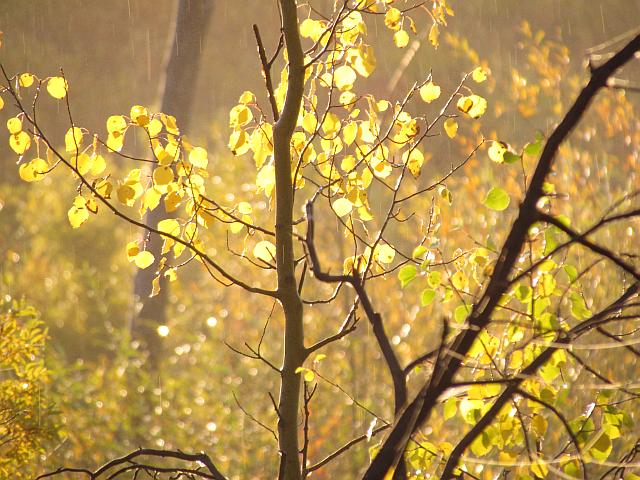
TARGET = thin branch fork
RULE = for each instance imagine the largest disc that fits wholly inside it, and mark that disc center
(128, 459)
(397, 373)
(266, 70)
(582, 240)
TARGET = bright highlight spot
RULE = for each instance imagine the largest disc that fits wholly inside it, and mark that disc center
(212, 321)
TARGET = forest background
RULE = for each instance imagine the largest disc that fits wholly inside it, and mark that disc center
(96, 399)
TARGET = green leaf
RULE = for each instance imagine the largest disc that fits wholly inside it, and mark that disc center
(601, 449)
(428, 295)
(419, 251)
(450, 408)
(549, 372)
(407, 274)
(461, 313)
(534, 148)
(434, 279)
(571, 271)
(579, 309)
(481, 445)
(510, 157)
(497, 199)
(445, 194)
(523, 293)
(550, 241)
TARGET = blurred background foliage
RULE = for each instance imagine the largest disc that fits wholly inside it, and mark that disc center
(106, 402)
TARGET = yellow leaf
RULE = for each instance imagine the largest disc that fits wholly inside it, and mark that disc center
(171, 274)
(331, 124)
(246, 97)
(344, 77)
(497, 151)
(451, 127)
(25, 80)
(171, 201)
(163, 175)
(401, 38)
(384, 254)
(170, 226)
(342, 207)
(126, 194)
(244, 208)
(414, 158)
(265, 251)
(540, 469)
(365, 214)
(434, 35)
(479, 74)
(238, 142)
(391, 18)
(115, 142)
(92, 205)
(383, 105)
(459, 280)
(348, 163)
(266, 180)
(132, 250)
(1, 103)
(170, 124)
(57, 87)
(139, 115)
(262, 143)
(381, 167)
(309, 122)
(73, 139)
(78, 213)
(83, 163)
(14, 125)
(104, 188)
(34, 170)
(144, 259)
(99, 165)
(539, 424)
(198, 157)
(239, 116)
(236, 227)
(312, 29)
(473, 105)
(155, 289)
(150, 200)
(350, 132)
(116, 123)
(20, 142)
(154, 127)
(365, 61)
(429, 92)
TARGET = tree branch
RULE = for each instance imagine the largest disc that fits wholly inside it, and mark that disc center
(202, 458)
(420, 409)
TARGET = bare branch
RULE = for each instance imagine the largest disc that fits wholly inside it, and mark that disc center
(202, 458)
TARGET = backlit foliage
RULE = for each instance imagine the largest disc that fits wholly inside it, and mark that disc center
(25, 411)
(349, 147)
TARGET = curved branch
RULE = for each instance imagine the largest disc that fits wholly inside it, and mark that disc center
(202, 458)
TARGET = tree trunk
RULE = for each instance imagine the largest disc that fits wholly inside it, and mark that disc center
(294, 351)
(182, 63)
